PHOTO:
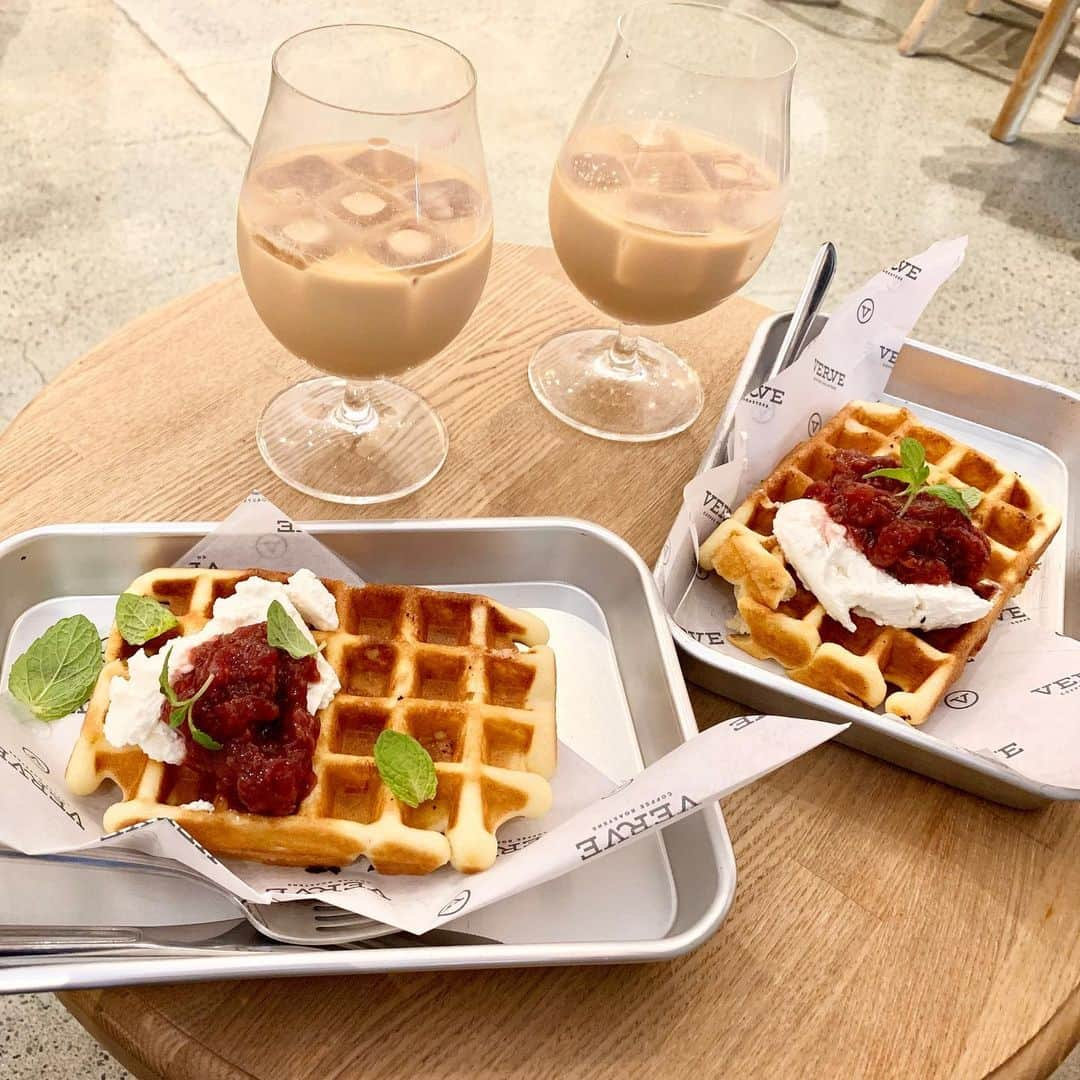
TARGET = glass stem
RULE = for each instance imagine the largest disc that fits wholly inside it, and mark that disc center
(356, 414)
(623, 354)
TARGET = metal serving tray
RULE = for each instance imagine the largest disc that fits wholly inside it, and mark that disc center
(559, 564)
(1031, 425)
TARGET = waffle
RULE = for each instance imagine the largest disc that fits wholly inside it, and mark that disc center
(781, 620)
(444, 667)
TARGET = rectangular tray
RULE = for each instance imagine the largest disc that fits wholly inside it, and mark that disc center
(1033, 426)
(583, 579)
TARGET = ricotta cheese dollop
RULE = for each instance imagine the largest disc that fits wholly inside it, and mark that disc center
(846, 581)
(134, 715)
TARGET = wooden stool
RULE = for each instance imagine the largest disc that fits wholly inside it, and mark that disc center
(1050, 36)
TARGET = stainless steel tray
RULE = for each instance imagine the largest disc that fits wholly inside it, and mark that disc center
(1022, 420)
(560, 563)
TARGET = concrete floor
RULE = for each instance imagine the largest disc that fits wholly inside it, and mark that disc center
(125, 126)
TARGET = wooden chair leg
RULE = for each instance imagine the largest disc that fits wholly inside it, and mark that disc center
(1072, 110)
(914, 34)
(1050, 35)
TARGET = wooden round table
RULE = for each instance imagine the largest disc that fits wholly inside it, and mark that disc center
(884, 925)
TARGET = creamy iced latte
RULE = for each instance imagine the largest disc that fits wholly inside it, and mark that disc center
(658, 226)
(363, 259)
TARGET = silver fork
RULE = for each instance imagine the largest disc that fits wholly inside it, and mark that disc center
(300, 930)
(297, 922)
(316, 923)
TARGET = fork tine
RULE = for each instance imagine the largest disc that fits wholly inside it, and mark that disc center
(342, 918)
(326, 911)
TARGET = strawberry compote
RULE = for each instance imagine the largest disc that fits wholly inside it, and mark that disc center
(929, 543)
(256, 708)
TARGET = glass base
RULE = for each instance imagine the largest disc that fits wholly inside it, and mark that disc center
(385, 447)
(651, 396)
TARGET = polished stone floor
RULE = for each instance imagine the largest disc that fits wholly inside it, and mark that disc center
(125, 126)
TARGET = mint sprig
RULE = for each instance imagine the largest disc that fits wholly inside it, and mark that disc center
(141, 618)
(914, 473)
(59, 670)
(405, 767)
(204, 740)
(283, 633)
(180, 709)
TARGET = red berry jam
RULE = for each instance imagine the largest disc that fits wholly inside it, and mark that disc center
(256, 707)
(929, 544)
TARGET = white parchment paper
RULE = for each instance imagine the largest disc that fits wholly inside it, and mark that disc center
(591, 816)
(1014, 701)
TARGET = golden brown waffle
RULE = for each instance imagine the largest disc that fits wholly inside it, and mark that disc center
(781, 620)
(444, 667)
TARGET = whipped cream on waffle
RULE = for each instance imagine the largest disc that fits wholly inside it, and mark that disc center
(134, 716)
(844, 580)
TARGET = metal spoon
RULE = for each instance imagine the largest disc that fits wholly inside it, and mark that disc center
(802, 318)
(807, 306)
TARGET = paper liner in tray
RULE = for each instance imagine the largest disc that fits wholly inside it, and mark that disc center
(592, 814)
(1014, 702)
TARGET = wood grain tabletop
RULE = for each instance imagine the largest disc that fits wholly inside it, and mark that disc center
(884, 925)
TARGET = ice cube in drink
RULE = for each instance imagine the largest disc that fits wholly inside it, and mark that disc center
(363, 204)
(692, 214)
(671, 173)
(409, 244)
(299, 241)
(448, 199)
(649, 141)
(383, 165)
(599, 172)
(302, 177)
(744, 193)
(727, 170)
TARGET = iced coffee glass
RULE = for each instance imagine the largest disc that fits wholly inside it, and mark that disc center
(666, 198)
(364, 239)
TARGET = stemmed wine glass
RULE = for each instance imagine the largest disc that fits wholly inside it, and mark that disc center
(364, 239)
(665, 200)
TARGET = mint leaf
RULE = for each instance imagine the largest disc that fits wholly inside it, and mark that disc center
(141, 618)
(913, 455)
(406, 767)
(163, 681)
(180, 708)
(57, 673)
(951, 496)
(201, 737)
(915, 472)
(948, 495)
(283, 633)
(893, 474)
